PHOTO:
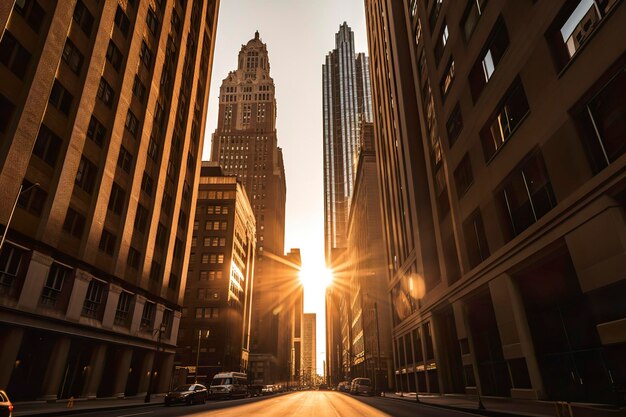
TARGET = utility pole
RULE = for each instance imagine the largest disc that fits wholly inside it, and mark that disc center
(198, 352)
(160, 331)
(6, 228)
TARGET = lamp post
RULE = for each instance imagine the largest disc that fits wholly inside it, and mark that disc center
(198, 352)
(162, 328)
(19, 193)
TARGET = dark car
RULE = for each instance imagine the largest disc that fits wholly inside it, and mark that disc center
(6, 408)
(322, 387)
(187, 394)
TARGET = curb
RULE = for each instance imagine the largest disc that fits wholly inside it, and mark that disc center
(81, 410)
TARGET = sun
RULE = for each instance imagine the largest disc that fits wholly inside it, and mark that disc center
(315, 278)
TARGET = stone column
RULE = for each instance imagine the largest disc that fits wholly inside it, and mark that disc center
(140, 301)
(165, 372)
(463, 333)
(109, 309)
(144, 375)
(10, 342)
(77, 298)
(123, 361)
(175, 326)
(514, 332)
(56, 368)
(35, 279)
(94, 372)
(158, 318)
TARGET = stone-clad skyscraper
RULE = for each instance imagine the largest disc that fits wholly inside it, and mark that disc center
(245, 144)
(102, 108)
(346, 99)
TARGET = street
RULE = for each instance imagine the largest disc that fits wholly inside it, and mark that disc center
(301, 404)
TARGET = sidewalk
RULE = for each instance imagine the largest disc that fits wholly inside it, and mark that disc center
(496, 406)
(60, 408)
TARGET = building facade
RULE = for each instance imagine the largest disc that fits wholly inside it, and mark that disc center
(245, 144)
(218, 297)
(103, 108)
(502, 180)
(346, 96)
(309, 351)
(370, 353)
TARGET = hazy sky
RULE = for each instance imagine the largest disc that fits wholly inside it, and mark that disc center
(298, 34)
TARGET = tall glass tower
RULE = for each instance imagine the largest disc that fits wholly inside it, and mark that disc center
(346, 104)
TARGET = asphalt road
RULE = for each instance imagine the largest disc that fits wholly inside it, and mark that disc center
(300, 404)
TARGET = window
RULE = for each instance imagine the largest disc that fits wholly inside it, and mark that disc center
(470, 18)
(125, 159)
(116, 200)
(57, 275)
(205, 258)
(153, 149)
(133, 258)
(152, 20)
(207, 312)
(60, 97)
(224, 226)
(141, 218)
(147, 184)
(13, 55)
(434, 14)
(161, 236)
(10, 261)
(203, 275)
(526, 195)
(213, 258)
(602, 122)
(448, 78)
(74, 223)
(114, 56)
(96, 131)
(145, 55)
(121, 21)
(33, 200)
(83, 17)
(131, 123)
(72, 56)
(509, 114)
(93, 298)
(442, 41)
(486, 63)
(210, 209)
(463, 177)
(47, 146)
(105, 92)
(32, 12)
(168, 318)
(139, 90)
(220, 258)
(574, 26)
(107, 242)
(173, 282)
(6, 109)
(86, 175)
(147, 316)
(122, 312)
(454, 125)
(155, 271)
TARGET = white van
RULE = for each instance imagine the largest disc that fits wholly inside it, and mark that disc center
(229, 385)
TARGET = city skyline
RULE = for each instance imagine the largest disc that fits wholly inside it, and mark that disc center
(302, 141)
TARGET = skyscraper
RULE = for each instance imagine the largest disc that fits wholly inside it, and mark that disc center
(346, 96)
(103, 108)
(218, 296)
(245, 144)
(500, 149)
(309, 349)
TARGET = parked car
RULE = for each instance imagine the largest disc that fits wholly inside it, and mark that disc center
(188, 394)
(6, 407)
(228, 385)
(361, 386)
(322, 387)
(255, 390)
(343, 386)
(268, 390)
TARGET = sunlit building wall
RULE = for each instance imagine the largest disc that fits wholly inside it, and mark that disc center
(245, 144)
(217, 305)
(103, 108)
(309, 356)
(370, 336)
(499, 140)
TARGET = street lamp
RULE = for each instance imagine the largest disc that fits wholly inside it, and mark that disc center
(19, 193)
(162, 329)
(198, 352)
